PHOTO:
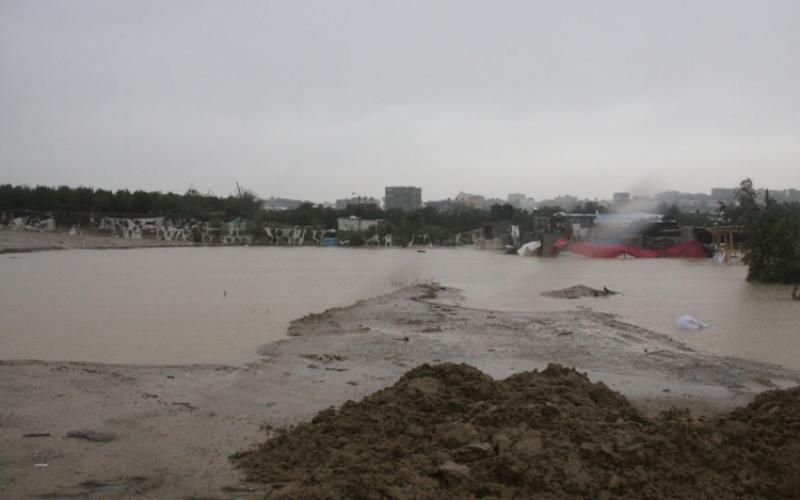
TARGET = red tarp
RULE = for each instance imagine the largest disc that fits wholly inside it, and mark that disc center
(688, 250)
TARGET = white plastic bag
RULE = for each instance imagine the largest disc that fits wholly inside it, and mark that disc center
(690, 323)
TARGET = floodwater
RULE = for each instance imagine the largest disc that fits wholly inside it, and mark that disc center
(218, 305)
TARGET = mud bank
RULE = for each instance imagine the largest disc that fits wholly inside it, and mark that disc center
(174, 427)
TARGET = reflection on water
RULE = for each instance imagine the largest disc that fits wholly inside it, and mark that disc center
(217, 305)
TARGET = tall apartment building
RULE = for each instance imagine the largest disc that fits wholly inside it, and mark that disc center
(406, 198)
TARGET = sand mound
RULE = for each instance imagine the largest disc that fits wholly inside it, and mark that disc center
(449, 431)
(578, 291)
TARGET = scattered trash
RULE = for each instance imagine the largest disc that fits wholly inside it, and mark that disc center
(97, 437)
(690, 323)
(40, 465)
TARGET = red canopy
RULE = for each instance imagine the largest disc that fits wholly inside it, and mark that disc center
(687, 250)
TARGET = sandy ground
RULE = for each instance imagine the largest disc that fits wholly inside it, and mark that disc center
(30, 241)
(173, 428)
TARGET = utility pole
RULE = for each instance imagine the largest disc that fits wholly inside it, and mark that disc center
(239, 190)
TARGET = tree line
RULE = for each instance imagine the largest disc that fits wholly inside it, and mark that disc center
(126, 203)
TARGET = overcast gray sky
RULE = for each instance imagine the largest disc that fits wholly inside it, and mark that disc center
(320, 99)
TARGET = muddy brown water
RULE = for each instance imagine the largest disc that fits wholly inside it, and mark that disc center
(217, 305)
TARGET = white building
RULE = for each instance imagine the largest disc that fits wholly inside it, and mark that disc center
(353, 224)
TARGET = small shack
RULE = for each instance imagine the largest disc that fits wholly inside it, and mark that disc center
(723, 239)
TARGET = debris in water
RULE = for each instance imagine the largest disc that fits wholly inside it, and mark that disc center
(578, 291)
(690, 323)
(97, 437)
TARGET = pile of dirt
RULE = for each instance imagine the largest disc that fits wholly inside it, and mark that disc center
(578, 291)
(450, 431)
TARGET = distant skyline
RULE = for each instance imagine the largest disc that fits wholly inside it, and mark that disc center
(317, 100)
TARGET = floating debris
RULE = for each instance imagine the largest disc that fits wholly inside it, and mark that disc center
(578, 291)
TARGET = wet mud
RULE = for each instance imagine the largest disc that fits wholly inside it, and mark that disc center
(451, 431)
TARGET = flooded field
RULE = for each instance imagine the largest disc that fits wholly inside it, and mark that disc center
(218, 305)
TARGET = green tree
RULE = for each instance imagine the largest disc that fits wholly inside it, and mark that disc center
(103, 201)
(772, 250)
(772, 247)
(745, 206)
(8, 197)
(81, 199)
(141, 201)
(122, 201)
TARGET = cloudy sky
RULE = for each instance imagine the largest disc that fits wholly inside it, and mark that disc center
(320, 99)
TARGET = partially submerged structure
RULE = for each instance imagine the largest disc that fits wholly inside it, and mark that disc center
(723, 240)
(634, 234)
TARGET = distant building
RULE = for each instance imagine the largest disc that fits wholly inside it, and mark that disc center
(488, 203)
(778, 195)
(406, 198)
(686, 202)
(725, 195)
(516, 199)
(357, 201)
(282, 203)
(353, 224)
(621, 197)
(471, 200)
(443, 205)
(668, 197)
(565, 201)
(528, 204)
